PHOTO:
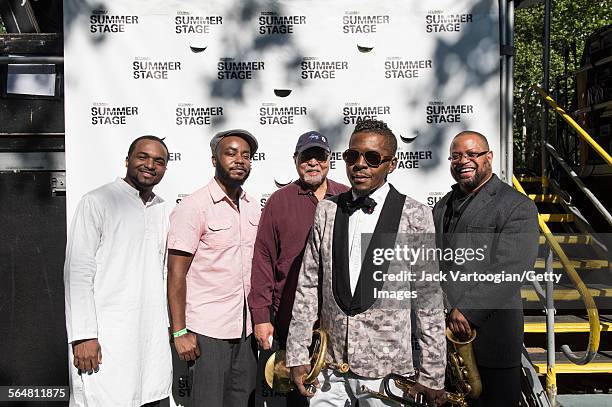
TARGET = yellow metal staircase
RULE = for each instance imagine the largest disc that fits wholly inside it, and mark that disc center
(567, 324)
(570, 246)
(567, 234)
(569, 239)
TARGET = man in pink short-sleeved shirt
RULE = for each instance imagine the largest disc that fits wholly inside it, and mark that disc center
(210, 249)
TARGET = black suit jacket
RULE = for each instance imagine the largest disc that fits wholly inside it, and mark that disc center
(505, 222)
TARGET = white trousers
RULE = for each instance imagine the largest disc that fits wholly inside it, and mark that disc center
(343, 390)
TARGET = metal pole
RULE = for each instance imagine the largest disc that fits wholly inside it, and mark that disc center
(510, 91)
(31, 60)
(545, 85)
(503, 154)
(551, 376)
(581, 185)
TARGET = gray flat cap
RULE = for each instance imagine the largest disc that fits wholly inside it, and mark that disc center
(243, 134)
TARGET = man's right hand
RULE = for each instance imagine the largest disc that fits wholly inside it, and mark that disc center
(187, 347)
(87, 355)
(263, 333)
(459, 325)
(432, 397)
(298, 373)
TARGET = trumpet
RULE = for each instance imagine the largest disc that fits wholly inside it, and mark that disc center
(463, 374)
(404, 384)
(278, 375)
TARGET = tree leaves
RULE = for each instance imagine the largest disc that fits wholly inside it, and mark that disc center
(572, 21)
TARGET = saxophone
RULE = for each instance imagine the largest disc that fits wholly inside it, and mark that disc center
(462, 364)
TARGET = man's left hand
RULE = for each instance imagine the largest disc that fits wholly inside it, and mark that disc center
(263, 333)
(433, 397)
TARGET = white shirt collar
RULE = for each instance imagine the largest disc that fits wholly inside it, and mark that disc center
(379, 195)
(134, 192)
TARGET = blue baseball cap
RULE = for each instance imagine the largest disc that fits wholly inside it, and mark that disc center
(312, 139)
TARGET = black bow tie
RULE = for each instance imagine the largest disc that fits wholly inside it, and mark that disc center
(365, 203)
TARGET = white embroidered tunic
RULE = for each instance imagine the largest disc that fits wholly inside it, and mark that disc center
(115, 290)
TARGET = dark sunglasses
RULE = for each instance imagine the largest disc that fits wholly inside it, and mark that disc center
(372, 158)
(318, 154)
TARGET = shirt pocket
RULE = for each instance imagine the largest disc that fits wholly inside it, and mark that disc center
(249, 229)
(254, 222)
(219, 233)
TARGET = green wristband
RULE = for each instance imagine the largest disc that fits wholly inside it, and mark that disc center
(180, 333)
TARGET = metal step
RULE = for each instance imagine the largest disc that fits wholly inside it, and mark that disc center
(557, 217)
(525, 179)
(566, 294)
(601, 364)
(591, 264)
(566, 324)
(569, 239)
(551, 198)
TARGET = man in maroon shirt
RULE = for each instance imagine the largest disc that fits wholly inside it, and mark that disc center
(281, 239)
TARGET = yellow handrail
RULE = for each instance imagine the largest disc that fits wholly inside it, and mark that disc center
(581, 132)
(587, 298)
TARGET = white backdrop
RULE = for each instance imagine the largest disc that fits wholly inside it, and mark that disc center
(428, 69)
(186, 69)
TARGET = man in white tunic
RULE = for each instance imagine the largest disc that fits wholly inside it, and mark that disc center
(116, 312)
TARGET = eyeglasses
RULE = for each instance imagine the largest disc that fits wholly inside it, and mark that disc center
(318, 154)
(372, 158)
(472, 155)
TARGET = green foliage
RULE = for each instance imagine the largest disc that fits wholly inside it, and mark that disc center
(2, 29)
(572, 21)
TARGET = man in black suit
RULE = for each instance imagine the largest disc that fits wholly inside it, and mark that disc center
(483, 212)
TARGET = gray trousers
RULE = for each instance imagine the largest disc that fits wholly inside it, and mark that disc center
(224, 374)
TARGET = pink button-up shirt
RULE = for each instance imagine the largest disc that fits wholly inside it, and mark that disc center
(221, 237)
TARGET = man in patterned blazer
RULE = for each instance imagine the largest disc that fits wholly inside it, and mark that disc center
(371, 333)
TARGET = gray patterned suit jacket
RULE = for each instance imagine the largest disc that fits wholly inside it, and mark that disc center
(377, 341)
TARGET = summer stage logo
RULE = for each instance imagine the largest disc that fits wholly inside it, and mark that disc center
(436, 21)
(398, 68)
(312, 68)
(175, 156)
(354, 23)
(412, 159)
(103, 114)
(335, 159)
(354, 113)
(186, 23)
(180, 197)
(100, 21)
(263, 199)
(271, 23)
(229, 68)
(439, 112)
(270, 113)
(434, 197)
(144, 68)
(186, 114)
(259, 156)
